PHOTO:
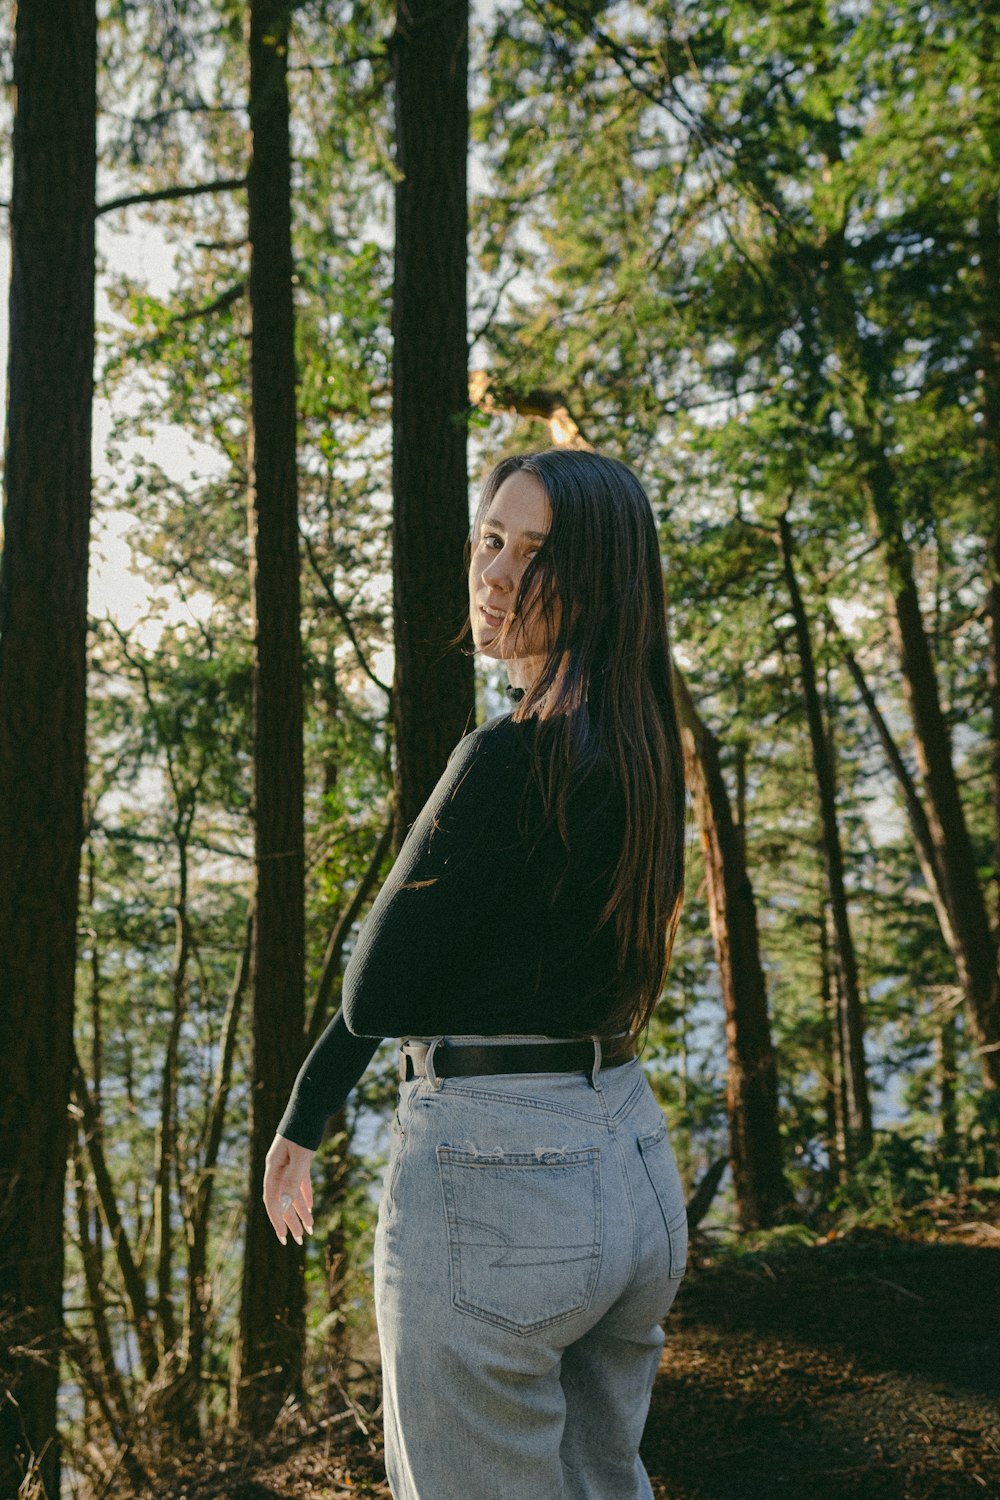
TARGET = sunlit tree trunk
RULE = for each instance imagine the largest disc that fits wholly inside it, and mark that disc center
(851, 1027)
(752, 1094)
(43, 633)
(975, 953)
(93, 1270)
(833, 1093)
(130, 1273)
(200, 1198)
(166, 1161)
(946, 1069)
(955, 865)
(336, 1177)
(273, 1304)
(433, 698)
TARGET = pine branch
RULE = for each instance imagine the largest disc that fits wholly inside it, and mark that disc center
(225, 299)
(169, 195)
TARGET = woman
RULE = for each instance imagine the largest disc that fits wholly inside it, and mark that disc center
(532, 1231)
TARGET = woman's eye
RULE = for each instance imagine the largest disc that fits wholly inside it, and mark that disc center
(490, 539)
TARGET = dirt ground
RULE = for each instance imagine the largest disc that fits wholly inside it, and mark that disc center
(867, 1367)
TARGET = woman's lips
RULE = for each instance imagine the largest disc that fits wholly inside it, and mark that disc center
(492, 617)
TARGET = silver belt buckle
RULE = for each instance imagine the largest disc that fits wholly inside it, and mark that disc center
(416, 1052)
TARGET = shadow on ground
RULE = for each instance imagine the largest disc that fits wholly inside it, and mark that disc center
(868, 1368)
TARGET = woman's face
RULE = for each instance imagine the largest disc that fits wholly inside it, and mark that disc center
(514, 526)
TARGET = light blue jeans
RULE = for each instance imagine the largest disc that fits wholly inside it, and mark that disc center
(531, 1237)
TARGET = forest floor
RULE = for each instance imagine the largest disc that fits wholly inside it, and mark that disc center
(867, 1366)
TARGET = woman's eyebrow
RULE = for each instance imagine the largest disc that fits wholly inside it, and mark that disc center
(533, 536)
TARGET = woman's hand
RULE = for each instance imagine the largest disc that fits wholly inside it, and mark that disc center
(287, 1190)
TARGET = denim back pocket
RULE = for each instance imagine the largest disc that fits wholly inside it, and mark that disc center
(524, 1234)
(658, 1159)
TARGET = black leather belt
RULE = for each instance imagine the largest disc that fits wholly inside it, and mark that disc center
(467, 1061)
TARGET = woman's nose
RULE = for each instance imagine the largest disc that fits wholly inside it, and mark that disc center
(497, 571)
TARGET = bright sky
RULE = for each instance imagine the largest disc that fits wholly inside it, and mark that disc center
(113, 587)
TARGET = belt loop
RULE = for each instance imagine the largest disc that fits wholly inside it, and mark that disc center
(432, 1078)
(596, 1069)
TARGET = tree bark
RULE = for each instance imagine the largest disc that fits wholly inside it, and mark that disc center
(851, 1028)
(131, 1275)
(198, 1203)
(915, 812)
(93, 1270)
(752, 1095)
(975, 949)
(962, 893)
(946, 1069)
(166, 1155)
(272, 1318)
(336, 1176)
(834, 1105)
(433, 697)
(989, 441)
(43, 633)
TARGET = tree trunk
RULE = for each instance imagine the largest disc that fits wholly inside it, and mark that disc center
(97, 1031)
(858, 1106)
(272, 1320)
(165, 1164)
(131, 1274)
(946, 1068)
(834, 1104)
(962, 893)
(975, 950)
(336, 1177)
(915, 812)
(433, 697)
(93, 1270)
(989, 360)
(199, 1202)
(43, 634)
(752, 1096)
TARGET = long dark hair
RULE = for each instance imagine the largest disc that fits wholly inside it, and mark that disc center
(604, 695)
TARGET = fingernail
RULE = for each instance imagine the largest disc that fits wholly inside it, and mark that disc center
(282, 1240)
(297, 1238)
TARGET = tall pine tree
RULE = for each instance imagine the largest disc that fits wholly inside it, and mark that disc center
(43, 632)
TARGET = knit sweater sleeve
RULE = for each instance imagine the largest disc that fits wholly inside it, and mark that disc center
(421, 965)
(325, 1079)
(456, 916)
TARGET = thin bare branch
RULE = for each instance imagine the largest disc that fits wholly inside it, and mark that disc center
(343, 617)
(335, 947)
(135, 1289)
(171, 194)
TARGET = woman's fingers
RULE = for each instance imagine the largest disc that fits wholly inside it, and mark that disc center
(275, 1192)
(287, 1190)
(296, 1215)
(304, 1203)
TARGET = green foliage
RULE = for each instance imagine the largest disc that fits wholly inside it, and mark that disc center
(904, 1185)
(748, 249)
(745, 248)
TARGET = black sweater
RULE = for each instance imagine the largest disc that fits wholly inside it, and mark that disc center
(486, 924)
